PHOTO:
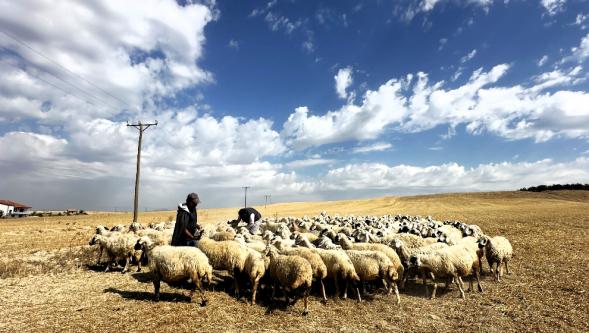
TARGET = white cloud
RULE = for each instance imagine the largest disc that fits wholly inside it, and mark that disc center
(378, 146)
(141, 52)
(130, 55)
(542, 61)
(308, 163)
(443, 42)
(233, 44)
(455, 177)
(425, 6)
(553, 6)
(468, 56)
(580, 53)
(343, 80)
(580, 19)
(413, 104)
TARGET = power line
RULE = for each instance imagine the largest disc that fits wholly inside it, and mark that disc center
(63, 67)
(64, 81)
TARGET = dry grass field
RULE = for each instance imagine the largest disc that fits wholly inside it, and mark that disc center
(48, 283)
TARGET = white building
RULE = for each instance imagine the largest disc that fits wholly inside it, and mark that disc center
(11, 208)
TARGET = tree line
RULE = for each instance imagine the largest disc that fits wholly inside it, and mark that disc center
(554, 187)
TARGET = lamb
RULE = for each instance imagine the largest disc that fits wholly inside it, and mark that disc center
(317, 264)
(374, 265)
(224, 255)
(390, 253)
(176, 263)
(117, 246)
(498, 251)
(291, 272)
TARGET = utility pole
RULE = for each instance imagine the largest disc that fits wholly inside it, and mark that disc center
(267, 196)
(245, 197)
(141, 127)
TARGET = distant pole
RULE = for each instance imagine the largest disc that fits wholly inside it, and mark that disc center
(141, 127)
(245, 196)
(267, 196)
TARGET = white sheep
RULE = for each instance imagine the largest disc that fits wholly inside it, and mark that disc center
(176, 263)
(498, 251)
(339, 267)
(291, 272)
(388, 251)
(319, 268)
(374, 265)
(117, 246)
(224, 255)
(255, 268)
(451, 263)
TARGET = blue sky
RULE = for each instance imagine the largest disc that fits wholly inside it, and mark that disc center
(304, 100)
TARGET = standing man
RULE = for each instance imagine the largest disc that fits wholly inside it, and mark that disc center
(186, 222)
(250, 216)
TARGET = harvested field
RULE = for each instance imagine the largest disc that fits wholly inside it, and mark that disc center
(48, 283)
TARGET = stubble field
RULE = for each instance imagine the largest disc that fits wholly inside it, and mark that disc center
(48, 282)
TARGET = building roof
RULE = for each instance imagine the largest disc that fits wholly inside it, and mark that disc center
(13, 204)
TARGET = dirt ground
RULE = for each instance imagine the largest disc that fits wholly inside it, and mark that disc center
(48, 282)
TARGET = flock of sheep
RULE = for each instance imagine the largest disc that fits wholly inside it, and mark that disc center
(293, 253)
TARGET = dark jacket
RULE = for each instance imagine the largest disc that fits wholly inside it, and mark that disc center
(244, 214)
(184, 220)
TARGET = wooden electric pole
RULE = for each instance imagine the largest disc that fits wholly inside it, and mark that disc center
(141, 127)
(245, 197)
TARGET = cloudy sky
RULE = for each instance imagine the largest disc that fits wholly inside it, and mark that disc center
(301, 100)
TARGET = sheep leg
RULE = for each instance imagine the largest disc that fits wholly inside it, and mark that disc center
(127, 259)
(499, 271)
(346, 289)
(397, 293)
(235, 283)
(478, 277)
(387, 287)
(435, 285)
(480, 266)
(99, 255)
(424, 277)
(156, 287)
(323, 292)
(336, 287)
(255, 289)
(506, 268)
(458, 281)
(358, 290)
(305, 300)
(108, 264)
(138, 259)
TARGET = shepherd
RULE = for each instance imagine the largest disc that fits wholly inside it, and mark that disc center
(252, 217)
(186, 222)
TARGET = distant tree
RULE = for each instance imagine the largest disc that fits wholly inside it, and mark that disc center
(556, 187)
